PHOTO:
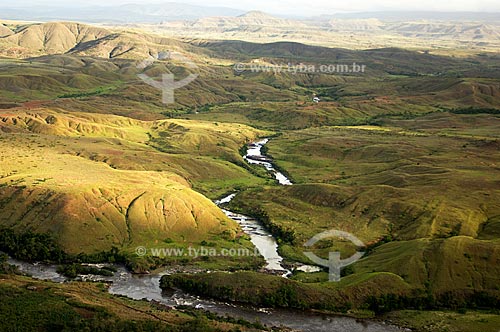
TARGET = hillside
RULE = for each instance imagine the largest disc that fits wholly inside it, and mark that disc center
(251, 22)
(462, 33)
(55, 37)
(85, 306)
(437, 30)
(404, 155)
(100, 76)
(422, 194)
(38, 39)
(402, 183)
(5, 31)
(102, 180)
(455, 32)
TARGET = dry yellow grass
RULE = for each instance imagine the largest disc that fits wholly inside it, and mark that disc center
(54, 178)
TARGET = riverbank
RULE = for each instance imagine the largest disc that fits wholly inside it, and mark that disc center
(147, 287)
(376, 295)
(82, 306)
(137, 287)
(275, 300)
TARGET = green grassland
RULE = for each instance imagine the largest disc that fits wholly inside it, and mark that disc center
(396, 81)
(430, 192)
(404, 156)
(98, 181)
(446, 320)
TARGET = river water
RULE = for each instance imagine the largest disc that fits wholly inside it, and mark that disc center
(148, 286)
(255, 150)
(260, 237)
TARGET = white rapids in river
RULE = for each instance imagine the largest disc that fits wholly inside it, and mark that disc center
(255, 150)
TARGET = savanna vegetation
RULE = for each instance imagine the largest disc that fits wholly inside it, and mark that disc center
(28, 305)
(92, 165)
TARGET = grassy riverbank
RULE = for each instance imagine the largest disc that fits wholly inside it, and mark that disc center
(33, 305)
(377, 292)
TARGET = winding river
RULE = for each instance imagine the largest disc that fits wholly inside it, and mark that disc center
(148, 286)
(254, 156)
(260, 237)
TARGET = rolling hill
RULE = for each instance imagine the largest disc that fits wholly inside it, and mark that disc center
(80, 39)
(95, 70)
(452, 31)
(5, 31)
(98, 181)
(404, 155)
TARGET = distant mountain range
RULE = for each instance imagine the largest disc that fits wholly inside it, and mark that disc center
(419, 15)
(464, 32)
(349, 31)
(173, 11)
(130, 13)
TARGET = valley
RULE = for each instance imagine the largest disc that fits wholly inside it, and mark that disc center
(405, 156)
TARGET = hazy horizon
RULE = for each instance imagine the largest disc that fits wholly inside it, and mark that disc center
(294, 7)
